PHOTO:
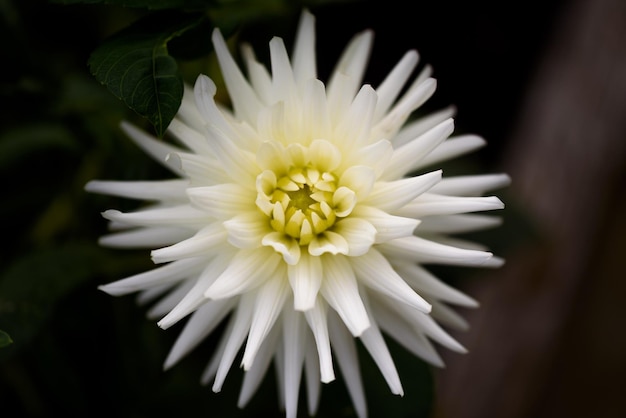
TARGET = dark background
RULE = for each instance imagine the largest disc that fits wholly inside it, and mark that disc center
(543, 82)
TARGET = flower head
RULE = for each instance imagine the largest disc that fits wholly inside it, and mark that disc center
(303, 216)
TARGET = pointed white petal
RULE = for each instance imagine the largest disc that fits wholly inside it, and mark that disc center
(375, 344)
(283, 83)
(161, 216)
(387, 226)
(413, 129)
(245, 102)
(317, 320)
(144, 190)
(190, 137)
(234, 336)
(400, 330)
(205, 242)
(253, 378)
(348, 73)
(395, 194)
(222, 200)
(145, 237)
(304, 64)
(270, 299)
(195, 296)
(315, 116)
(260, 78)
(471, 185)
(358, 233)
(453, 147)
(312, 376)
(360, 179)
(354, 129)
(423, 251)
(347, 357)
(247, 230)
(305, 278)
(457, 224)
(429, 204)
(169, 301)
(407, 157)
(423, 281)
(167, 274)
(294, 343)
(448, 317)
(340, 290)
(201, 323)
(156, 149)
(412, 99)
(375, 272)
(247, 270)
(394, 82)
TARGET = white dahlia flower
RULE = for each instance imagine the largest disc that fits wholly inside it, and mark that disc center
(303, 217)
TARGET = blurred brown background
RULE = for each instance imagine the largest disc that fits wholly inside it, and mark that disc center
(549, 338)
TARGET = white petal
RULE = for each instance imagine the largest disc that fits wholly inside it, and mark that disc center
(239, 163)
(203, 243)
(412, 99)
(471, 185)
(153, 147)
(348, 73)
(453, 147)
(305, 278)
(260, 78)
(201, 323)
(145, 237)
(189, 136)
(432, 204)
(294, 343)
(407, 157)
(353, 131)
(222, 200)
(358, 233)
(400, 330)
(413, 129)
(304, 65)
(425, 282)
(167, 274)
(375, 272)
(162, 216)
(194, 298)
(387, 226)
(394, 82)
(340, 290)
(423, 251)
(254, 376)
(457, 224)
(317, 320)
(360, 179)
(448, 317)
(247, 270)
(169, 301)
(232, 340)
(247, 230)
(328, 242)
(201, 170)
(375, 344)
(144, 190)
(270, 299)
(395, 194)
(315, 116)
(375, 155)
(283, 83)
(347, 357)
(285, 245)
(312, 376)
(245, 102)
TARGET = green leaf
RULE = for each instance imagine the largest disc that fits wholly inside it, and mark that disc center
(136, 67)
(146, 4)
(5, 339)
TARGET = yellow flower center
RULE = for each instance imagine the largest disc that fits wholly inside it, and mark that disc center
(302, 203)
